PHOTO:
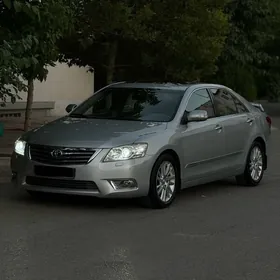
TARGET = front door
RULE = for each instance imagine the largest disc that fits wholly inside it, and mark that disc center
(203, 143)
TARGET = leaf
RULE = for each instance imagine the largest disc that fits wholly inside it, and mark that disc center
(29, 35)
(8, 3)
(34, 60)
(35, 10)
(17, 6)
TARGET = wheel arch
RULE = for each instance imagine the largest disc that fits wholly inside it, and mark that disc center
(175, 155)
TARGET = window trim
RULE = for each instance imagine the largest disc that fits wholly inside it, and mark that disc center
(210, 96)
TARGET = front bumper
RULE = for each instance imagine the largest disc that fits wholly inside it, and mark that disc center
(96, 172)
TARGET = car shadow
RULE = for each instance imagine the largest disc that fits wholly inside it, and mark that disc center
(80, 202)
(213, 187)
(60, 200)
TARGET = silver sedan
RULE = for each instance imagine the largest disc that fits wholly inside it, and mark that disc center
(145, 140)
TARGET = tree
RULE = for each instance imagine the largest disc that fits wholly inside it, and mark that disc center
(147, 39)
(13, 51)
(246, 56)
(53, 20)
(190, 37)
(269, 77)
(101, 26)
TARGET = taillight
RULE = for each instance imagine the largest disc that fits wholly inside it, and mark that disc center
(268, 119)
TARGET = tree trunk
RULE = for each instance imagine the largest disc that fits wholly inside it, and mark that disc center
(100, 78)
(112, 55)
(28, 110)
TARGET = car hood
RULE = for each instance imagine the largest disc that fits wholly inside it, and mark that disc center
(95, 133)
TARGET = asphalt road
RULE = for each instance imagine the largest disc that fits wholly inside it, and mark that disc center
(212, 232)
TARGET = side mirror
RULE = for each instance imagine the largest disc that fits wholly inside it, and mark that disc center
(70, 108)
(197, 116)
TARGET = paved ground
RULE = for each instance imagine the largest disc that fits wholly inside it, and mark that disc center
(213, 232)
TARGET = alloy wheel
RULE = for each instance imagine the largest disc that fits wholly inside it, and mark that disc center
(166, 181)
(256, 163)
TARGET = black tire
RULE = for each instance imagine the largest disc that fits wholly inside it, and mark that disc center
(154, 200)
(246, 178)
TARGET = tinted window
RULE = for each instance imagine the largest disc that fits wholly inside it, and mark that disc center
(200, 100)
(224, 102)
(240, 107)
(139, 104)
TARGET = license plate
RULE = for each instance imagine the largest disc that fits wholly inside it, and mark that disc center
(50, 171)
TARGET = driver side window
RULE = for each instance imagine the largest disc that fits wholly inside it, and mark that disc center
(200, 100)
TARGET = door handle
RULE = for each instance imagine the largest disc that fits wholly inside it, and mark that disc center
(249, 121)
(218, 128)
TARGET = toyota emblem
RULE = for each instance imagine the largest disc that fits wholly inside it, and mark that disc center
(56, 153)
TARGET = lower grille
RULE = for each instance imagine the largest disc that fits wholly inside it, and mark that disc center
(60, 155)
(59, 183)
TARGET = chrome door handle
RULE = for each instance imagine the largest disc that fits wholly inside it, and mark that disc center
(249, 121)
(218, 127)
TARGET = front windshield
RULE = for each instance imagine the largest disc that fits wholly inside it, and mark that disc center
(135, 104)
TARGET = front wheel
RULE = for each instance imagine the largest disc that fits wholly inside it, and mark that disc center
(164, 182)
(255, 166)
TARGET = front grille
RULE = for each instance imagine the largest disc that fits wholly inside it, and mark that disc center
(60, 155)
(60, 183)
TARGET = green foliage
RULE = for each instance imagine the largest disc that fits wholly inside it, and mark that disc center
(190, 37)
(253, 46)
(29, 31)
(13, 50)
(158, 40)
(101, 27)
(240, 79)
(50, 25)
(116, 19)
(155, 39)
(12, 61)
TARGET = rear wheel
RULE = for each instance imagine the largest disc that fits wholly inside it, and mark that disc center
(164, 182)
(255, 166)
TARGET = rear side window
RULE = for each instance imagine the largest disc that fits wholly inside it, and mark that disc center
(224, 102)
(239, 105)
(200, 100)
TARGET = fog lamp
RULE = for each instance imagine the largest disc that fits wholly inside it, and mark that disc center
(123, 184)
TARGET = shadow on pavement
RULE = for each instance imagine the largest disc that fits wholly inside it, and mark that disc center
(68, 201)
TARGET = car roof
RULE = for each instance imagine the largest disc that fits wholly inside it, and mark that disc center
(163, 85)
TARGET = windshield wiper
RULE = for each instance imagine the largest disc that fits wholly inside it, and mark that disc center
(85, 116)
(78, 116)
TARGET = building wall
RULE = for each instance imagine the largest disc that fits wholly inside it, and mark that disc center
(64, 85)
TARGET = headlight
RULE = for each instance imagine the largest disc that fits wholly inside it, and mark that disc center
(126, 152)
(20, 147)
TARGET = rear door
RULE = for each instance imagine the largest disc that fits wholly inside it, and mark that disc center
(238, 124)
(202, 143)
